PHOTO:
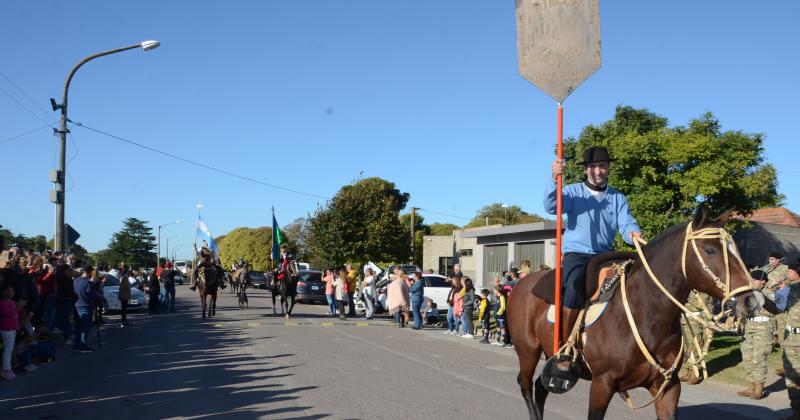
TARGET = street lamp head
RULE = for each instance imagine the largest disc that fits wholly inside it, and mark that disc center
(149, 45)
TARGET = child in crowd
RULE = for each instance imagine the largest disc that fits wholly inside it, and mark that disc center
(30, 346)
(9, 323)
(467, 307)
(483, 315)
(500, 315)
(431, 316)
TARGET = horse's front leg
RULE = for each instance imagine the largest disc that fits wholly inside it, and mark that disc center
(527, 367)
(600, 394)
(667, 406)
(203, 304)
(274, 302)
(214, 304)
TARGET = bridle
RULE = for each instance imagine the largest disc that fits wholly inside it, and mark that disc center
(691, 237)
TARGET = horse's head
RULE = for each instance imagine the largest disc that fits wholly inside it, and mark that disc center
(712, 264)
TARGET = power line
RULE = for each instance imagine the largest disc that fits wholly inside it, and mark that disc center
(35, 115)
(202, 165)
(24, 134)
(47, 114)
(444, 214)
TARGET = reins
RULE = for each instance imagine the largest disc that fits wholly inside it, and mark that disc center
(691, 236)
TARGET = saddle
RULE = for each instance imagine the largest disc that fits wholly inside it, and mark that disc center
(598, 269)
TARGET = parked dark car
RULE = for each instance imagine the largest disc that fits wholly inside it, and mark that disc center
(310, 286)
(258, 280)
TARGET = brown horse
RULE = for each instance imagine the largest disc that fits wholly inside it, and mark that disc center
(611, 358)
(207, 286)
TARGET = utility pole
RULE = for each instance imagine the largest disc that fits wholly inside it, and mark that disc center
(413, 212)
(58, 176)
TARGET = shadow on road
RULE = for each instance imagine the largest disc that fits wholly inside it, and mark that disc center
(732, 411)
(163, 366)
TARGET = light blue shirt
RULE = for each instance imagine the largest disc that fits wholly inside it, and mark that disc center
(592, 224)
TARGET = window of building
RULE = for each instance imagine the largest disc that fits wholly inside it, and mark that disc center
(446, 266)
(465, 252)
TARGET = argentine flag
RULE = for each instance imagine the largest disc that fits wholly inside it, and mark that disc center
(204, 234)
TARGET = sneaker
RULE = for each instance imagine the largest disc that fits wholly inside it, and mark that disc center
(468, 336)
(56, 331)
(7, 374)
(447, 332)
(30, 368)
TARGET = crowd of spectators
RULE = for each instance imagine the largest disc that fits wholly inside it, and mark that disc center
(49, 299)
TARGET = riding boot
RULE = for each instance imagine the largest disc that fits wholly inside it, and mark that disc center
(568, 323)
(747, 392)
(758, 391)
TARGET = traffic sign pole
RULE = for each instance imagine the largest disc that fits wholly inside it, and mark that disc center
(558, 47)
(559, 210)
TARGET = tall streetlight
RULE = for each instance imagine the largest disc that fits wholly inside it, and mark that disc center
(174, 249)
(59, 176)
(158, 258)
(171, 237)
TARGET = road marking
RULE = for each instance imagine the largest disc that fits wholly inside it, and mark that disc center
(291, 324)
(327, 324)
(253, 324)
(218, 325)
(362, 324)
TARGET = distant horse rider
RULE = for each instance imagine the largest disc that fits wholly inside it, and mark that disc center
(595, 213)
(283, 264)
(206, 262)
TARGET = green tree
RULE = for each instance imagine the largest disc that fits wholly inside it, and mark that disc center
(420, 230)
(504, 215)
(443, 228)
(665, 172)
(254, 245)
(134, 244)
(296, 234)
(361, 223)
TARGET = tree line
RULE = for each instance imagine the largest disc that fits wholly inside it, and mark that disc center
(664, 171)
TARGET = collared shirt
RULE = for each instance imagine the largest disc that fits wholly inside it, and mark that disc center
(591, 224)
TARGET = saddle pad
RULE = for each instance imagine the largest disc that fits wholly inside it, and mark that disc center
(592, 314)
(545, 287)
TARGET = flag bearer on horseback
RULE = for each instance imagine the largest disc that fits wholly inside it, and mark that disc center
(595, 214)
(283, 264)
(206, 263)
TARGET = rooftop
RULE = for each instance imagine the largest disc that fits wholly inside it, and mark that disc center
(776, 216)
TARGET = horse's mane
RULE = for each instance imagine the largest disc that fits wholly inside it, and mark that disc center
(669, 232)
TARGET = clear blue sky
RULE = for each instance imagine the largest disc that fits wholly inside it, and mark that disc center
(423, 93)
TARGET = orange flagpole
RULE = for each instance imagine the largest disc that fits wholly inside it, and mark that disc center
(559, 184)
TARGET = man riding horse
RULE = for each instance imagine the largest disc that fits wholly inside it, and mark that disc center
(282, 271)
(595, 213)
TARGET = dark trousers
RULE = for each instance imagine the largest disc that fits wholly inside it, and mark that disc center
(154, 303)
(170, 296)
(573, 289)
(341, 304)
(123, 312)
(352, 304)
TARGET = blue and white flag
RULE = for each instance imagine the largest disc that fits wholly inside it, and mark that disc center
(204, 234)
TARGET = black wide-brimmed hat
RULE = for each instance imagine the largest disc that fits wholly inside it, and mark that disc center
(596, 154)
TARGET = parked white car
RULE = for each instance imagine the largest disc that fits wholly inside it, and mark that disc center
(111, 296)
(436, 288)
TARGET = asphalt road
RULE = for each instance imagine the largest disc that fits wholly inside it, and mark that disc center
(247, 363)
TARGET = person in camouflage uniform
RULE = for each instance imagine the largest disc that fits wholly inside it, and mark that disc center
(776, 275)
(789, 295)
(756, 346)
(694, 330)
